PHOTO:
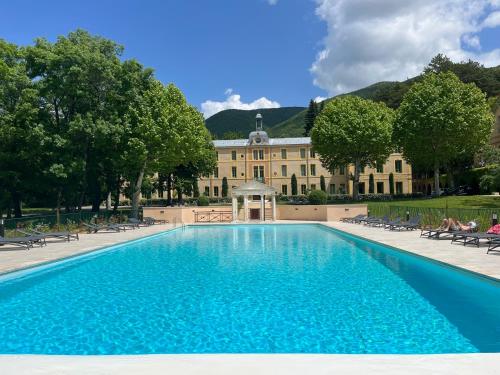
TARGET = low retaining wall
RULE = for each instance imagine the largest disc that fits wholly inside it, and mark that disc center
(320, 213)
(283, 212)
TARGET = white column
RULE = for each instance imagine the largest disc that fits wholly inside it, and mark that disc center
(235, 209)
(245, 207)
(273, 202)
(262, 207)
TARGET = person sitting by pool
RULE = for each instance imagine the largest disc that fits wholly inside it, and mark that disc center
(451, 225)
(469, 227)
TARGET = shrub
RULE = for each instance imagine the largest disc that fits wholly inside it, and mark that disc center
(317, 197)
(203, 201)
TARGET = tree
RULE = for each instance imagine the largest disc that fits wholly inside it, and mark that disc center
(167, 133)
(322, 183)
(21, 136)
(439, 119)
(225, 187)
(312, 112)
(439, 63)
(83, 102)
(293, 184)
(391, 183)
(371, 184)
(233, 135)
(196, 188)
(352, 130)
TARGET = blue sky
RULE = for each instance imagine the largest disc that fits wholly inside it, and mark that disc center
(270, 53)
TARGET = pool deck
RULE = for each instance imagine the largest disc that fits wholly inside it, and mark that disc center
(15, 258)
(252, 364)
(471, 258)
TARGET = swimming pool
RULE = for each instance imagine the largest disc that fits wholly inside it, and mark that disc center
(249, 289)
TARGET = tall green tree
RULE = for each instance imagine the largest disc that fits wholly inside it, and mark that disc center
(21, 135)
(293, 184)
(77, 78)
(312, 112)
(165, 133)
(371, 184)
(322, 183)
(352, 130)
(439, 119)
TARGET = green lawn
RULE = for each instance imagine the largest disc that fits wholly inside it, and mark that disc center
(473, 201)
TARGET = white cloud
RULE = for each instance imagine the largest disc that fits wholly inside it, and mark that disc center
(272, 2)
(233, 101)
(319, 99)
(381, 40)
(472, 41)
(493, 20)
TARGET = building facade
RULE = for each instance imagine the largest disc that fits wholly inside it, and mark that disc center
(273, 161)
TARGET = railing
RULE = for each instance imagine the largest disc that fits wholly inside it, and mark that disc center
(213, 216)
(64, 218)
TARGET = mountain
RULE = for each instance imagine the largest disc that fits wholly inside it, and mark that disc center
(243, 121)
(278, 122)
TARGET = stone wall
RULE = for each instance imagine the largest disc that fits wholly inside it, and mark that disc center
(186, 215)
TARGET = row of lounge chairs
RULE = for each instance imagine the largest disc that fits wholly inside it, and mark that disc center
(385, 222)
(456, 236)
(119, 227)
(464, 237)
(34, 237)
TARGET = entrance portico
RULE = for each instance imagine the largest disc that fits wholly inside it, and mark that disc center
(252, 189)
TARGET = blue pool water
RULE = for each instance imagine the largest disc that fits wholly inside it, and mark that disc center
(249, 289)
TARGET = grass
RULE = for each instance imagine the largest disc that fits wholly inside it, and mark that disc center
(472, 202)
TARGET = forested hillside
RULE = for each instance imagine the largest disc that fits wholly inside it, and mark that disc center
(289, 121)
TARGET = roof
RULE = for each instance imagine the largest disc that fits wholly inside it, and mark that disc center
(253, 188)
(272, 142)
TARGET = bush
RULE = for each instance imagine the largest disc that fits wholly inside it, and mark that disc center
(317, 197)
(203, 201)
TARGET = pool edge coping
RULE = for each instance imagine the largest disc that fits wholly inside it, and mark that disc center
(411, 253)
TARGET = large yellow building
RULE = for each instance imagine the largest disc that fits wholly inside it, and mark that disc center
(273, 161)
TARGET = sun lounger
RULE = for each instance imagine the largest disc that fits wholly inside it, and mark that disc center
(26, 242)
(493, 245)
(438, 233)
(358, 220)
(470, 238)
(126, 226)
(62, 235)
(152, 220)
(94, 228)
(392, 223)
(411, 224)
(138, 222)
(350, 219)
(377, 221)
